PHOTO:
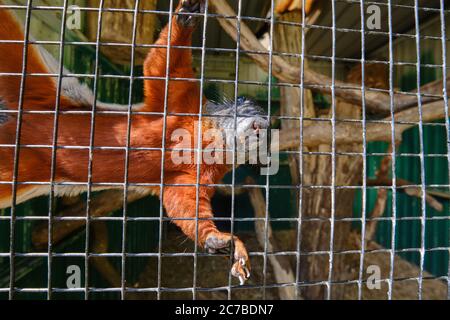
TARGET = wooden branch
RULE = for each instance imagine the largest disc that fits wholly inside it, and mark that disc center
(377, 212)
(312, 18)
(432, 201)
(380, 204)
(376, 102)
(347, 133)
(411, 191)
(439, 194)
(101, 205)
(280, 264)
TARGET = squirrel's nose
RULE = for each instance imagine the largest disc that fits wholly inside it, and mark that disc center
(259, 125)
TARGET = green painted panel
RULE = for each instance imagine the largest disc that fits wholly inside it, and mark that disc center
(408, 233)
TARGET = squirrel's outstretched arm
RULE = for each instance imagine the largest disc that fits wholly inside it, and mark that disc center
(196, 221)
(184, 96)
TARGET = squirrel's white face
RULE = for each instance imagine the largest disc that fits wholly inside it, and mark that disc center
(245, 120)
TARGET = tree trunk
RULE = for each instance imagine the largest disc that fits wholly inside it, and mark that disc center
(317, 171)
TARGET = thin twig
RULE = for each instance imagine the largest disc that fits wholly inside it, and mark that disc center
(405, 186)
(382, 196)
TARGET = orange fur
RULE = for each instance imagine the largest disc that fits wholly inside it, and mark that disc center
(110, 131)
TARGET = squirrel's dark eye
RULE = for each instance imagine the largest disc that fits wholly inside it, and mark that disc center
(241, 100)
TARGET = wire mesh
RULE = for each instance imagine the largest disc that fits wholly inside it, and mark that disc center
(301, 219)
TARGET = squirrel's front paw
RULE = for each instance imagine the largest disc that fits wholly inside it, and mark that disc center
(223, 243)
(187, 8)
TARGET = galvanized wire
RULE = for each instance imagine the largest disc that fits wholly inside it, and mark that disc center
(333, 153)
(445, 97)
(163, 142)
(269, 112)
(268, 186)
(91, 150)
(199, 152)
(393, 156)
(54, 150)
(234, 151)
(422, 152)
(364, 146)
(127, 154)
(301, 154)
(14, 186)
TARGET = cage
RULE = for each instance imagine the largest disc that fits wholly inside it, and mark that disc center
(355, 91)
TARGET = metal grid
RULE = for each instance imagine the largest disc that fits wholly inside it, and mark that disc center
(202, 80)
